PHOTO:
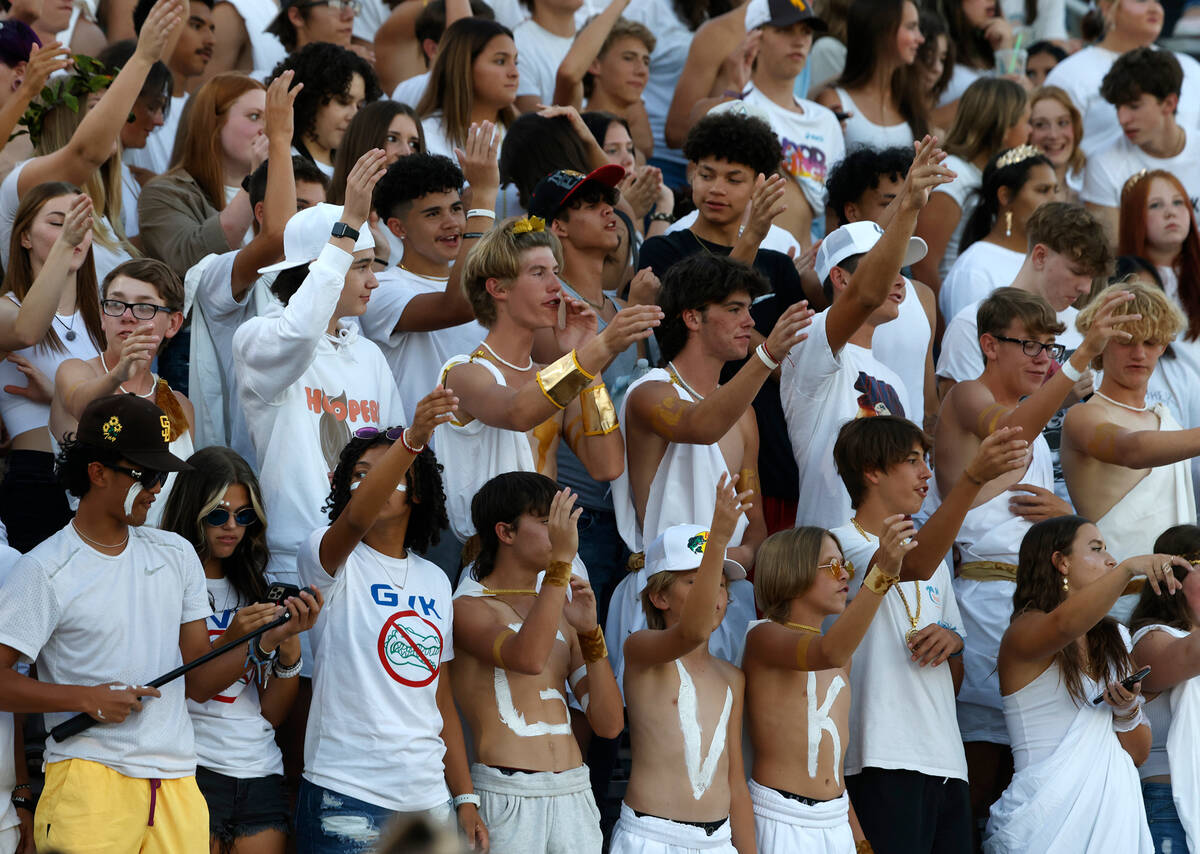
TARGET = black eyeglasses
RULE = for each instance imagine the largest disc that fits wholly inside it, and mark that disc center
(148, 478)
(1033, 349)
(392, 434)
(354, 5)
(140, 310)
(220, 515)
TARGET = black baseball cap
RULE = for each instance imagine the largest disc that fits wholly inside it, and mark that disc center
(782, 13)
(131, 426)
(556, 189)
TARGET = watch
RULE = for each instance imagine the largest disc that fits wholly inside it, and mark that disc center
(340, 229)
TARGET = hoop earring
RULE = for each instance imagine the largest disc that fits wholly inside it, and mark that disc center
(1008, 223)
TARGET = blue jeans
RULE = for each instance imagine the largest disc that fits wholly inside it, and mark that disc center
(328, 822)
(1165, 829)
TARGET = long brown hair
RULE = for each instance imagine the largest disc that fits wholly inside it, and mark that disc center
(368, 129)
(198, 143)
(1039, 588)
(18, 278)
(1131, 240)
(875, 24)
(1166, 609)
(451, 86)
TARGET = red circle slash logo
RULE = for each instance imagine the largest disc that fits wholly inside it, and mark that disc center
(410, 649)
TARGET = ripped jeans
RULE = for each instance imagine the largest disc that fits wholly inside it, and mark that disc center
(328, 822)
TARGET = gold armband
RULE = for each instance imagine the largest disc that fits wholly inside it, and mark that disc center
(599, 414)
(592, 645)
(558, 574)
(802, 651)
(878, 581)
(500, 639)
(562, 380)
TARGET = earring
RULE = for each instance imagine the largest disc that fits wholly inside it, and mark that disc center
(1066, 585)
(1008, 223)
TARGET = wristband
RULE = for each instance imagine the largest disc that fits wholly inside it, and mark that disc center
(490, 214)
(558, 574)
(561, 381)
(765, 356)
(281, 672)
(878, 581)
(22, 803)
(592, 645)
(599, 414)
(468, 798)
(415, 451)
(472, 235)
(661, 217)
(1070, 372)
(1131, 723)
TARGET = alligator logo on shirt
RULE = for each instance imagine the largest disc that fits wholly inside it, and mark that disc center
(697, 543)
(410, 649)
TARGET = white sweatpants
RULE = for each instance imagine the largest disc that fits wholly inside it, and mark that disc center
(646, 834)
(538, 813)
(784, 826)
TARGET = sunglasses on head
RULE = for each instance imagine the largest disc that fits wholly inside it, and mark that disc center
(392, 434)
(220, 515)
(148, 478)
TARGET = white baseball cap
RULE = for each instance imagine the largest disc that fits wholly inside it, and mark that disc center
(306, 234)
(680, 548)
(857, 238)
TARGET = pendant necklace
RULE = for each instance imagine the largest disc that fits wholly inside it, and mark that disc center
(913, 620)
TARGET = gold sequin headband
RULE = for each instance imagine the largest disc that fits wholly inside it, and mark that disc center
(1134, 178)
(1015, 155)
(528, 224)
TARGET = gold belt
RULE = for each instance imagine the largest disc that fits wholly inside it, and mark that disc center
(988, 570)
(637, 560)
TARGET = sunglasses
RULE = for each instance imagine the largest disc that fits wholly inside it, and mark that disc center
(392, 434)
(148, 478)
(220, 515)
(835, 567)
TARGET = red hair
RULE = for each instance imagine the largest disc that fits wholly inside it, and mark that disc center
(1132, 241)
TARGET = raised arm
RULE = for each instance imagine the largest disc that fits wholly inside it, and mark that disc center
(568, 81)
(649, 647)
(700, 72)
(597, 689)
(93, 141)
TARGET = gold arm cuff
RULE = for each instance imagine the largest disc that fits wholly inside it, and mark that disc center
(988, 570)
(878, 581)
(802, 650)
(592, 645)
(599, 414)
(558, 574)
(562, 380)
(497, 657)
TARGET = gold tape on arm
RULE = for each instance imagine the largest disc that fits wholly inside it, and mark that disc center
(592, 645)
(562, 380)
(558, 574)
(990, 417)
(802, 650)
(599, 414)
(497, 655)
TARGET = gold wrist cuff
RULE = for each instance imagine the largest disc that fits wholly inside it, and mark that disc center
(592, 645)
(562, 380)
(599, 414)
(558, 574)
(878, 581)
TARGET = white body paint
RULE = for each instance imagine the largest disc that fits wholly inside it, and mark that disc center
(820, 721)
(131, 496)
(513, 719)
(700, 770)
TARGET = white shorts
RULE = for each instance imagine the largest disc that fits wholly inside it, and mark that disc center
(783, 825)
(538, 813)
(646, 834)
(9, 838)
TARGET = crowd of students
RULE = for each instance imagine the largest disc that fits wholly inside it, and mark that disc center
(655, 427)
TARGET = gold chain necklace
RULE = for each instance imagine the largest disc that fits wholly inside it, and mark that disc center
(503, 592)
(912, 620)
(802, 627)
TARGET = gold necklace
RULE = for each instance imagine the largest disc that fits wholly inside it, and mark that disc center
(912, 620)
(504, 592)
(802, 627)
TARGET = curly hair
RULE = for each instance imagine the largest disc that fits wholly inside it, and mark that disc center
(696, 283)
(326, 70)
(197, 493)
(412, 177)
(426, 496)
(1160, 320)
(995, 176)
(861, 170)
(726, 136)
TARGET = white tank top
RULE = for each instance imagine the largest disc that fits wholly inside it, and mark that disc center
(862, 132)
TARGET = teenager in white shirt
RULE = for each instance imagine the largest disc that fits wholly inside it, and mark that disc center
(543, 42)
(137, 594)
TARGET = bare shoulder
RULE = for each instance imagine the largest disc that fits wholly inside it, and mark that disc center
(734, 675)
(643, 400)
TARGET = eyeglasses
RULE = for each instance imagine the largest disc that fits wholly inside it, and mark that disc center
(148, 478)
(220, 515)
(1033, 349)
(835, 567)
(392, 434)
(140, 310)
(337, 5)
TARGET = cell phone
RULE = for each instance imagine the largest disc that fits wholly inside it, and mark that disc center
(279, 592)
(1127, 683)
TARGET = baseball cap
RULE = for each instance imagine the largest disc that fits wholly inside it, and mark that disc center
(556, 189)
(306, 234)
(680, 548)
(857, 238)
(131, 426)
(781, 13)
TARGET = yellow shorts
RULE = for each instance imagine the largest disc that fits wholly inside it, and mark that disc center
(88, 808)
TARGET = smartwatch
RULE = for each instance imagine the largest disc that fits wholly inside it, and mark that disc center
(340, 229)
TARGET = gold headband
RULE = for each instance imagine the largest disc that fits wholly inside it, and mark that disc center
(1134, 178)
(528, 224)
(1015, 155)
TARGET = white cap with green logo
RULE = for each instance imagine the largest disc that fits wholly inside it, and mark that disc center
(680, 548)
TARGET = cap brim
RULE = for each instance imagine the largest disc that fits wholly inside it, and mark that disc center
(157, 460)
(917, 249)
(814, 23)
(734, 571)
(608, 175)
(285, 264)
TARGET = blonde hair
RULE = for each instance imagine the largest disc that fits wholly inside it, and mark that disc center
(1161, 321)
(989, 108)
(659, 582)
(786, 566)
(497, 255)
(1053, 93)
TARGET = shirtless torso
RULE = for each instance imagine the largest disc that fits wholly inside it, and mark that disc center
(1095, 482)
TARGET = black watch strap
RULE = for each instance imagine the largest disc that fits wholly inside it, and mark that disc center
(340, 229)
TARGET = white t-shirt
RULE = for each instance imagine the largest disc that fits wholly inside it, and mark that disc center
(88, 618)
(265, 48)
(416, 358)
(541, 52)
(964, 191)
(1107, 171)
(820, 391)
(8, 771)
(812, 143)
(977, 272)
(369, 18)
(303, 394)
(374, 728)
(674, 40)
(156, 156)
(904, 345)
(885, 681)
(410, 91)
(130, 191)
(861, 132)
(232, 736)
(1080, 75)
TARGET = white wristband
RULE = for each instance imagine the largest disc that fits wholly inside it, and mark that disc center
(481, 212)
(469, 798)
(1129, 726)
(1069, 371)
(761, 352)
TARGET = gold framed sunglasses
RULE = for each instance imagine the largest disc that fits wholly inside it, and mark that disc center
(835, 567)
